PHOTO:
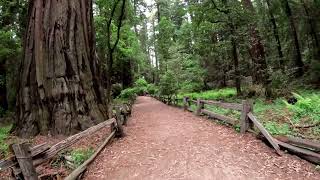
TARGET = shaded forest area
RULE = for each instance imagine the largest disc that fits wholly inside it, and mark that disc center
(62, 64)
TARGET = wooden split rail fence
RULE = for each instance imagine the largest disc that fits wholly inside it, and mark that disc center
(25, 159)
(305, 149)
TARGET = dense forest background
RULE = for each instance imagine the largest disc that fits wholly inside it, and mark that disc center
(262, 48)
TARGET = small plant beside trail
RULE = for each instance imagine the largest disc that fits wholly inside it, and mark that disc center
(72, 159)
(79, 156)
(4, 147)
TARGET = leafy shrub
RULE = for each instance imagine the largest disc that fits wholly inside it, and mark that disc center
(128, 93)
(254, 90)
(79, 156)
(278, 79)
(152, 89)
(191, 87)
(140, 91)
(4, 133)
(141, 83)
(140, 88)
(307, 108)
(220, 94)
(168, 84)
(116, 89)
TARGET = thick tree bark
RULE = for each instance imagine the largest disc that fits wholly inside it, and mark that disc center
(258, 54)
(257, 49)
(276, 36)
(298, 57)
(59, 88)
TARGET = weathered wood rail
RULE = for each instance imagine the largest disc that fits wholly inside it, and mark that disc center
(25, 159)
(308, 150)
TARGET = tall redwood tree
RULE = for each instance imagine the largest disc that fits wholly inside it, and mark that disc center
(59, 88)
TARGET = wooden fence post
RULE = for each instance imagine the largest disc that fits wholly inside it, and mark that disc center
(185, 103)
(245, 123)
(24, 158)
(200, 106)
(119, 122)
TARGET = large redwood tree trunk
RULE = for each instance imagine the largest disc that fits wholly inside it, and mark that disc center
(59, 88)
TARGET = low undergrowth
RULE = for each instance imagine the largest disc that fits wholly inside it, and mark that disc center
(4, 147)
(278, 116)
(79, 156)
(221, 94)
(71, 159)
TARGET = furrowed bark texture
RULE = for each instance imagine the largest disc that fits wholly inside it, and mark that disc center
(256, 49)
(59, 89)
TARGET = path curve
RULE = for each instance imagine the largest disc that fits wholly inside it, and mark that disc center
(164, 142)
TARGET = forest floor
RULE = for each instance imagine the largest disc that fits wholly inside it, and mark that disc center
(164, 142)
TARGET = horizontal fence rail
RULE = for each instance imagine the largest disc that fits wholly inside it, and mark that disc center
(233, 106)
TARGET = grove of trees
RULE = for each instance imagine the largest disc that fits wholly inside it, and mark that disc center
(62, 62)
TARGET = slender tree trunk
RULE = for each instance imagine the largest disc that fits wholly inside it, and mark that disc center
(298, 57)
(258, 53)
(256, 48)
(155, 52)
(112, 47)
(276, 36)
(312, 30)
(59, 89)
(158, 12)
(135, 4)
(236, 62)
(3, 88)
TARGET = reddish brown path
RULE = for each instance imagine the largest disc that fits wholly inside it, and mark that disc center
(163, 142)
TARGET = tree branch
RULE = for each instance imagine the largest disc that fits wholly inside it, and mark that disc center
(225, 11)
(110, 22)
(120, 24)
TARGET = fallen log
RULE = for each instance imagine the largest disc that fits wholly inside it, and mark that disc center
(265, 133)
(77, 172)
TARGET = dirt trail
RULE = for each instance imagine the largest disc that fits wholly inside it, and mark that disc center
(163, 142)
